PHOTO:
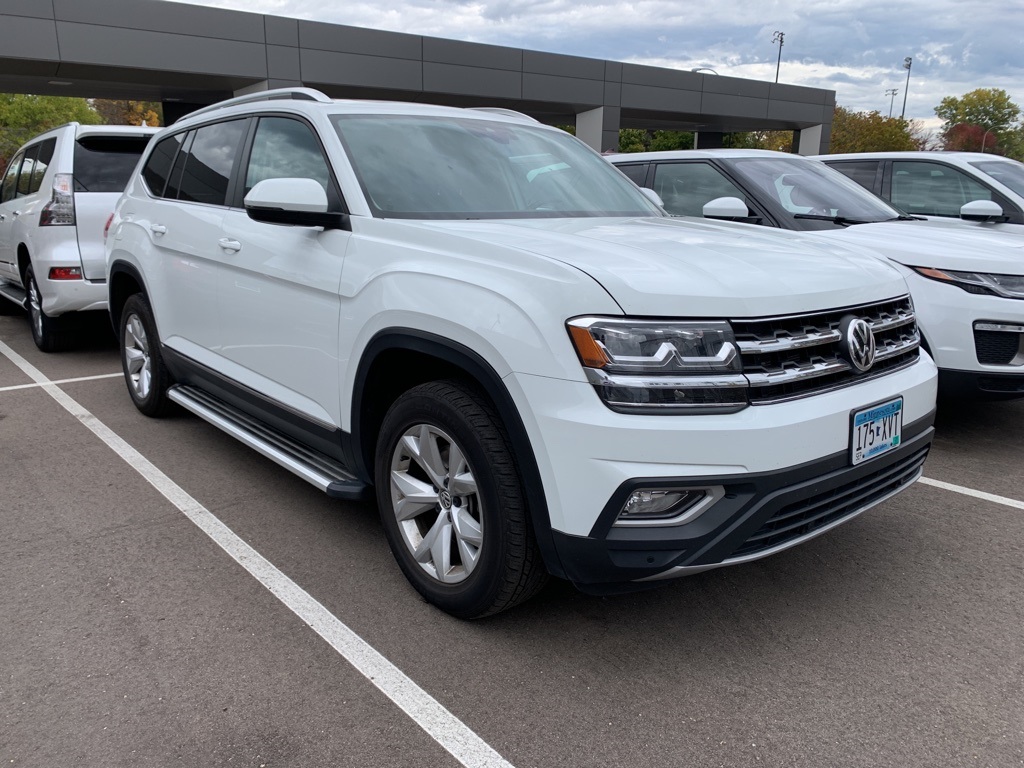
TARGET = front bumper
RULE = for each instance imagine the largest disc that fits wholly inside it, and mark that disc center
(760, 515)
(952, 322)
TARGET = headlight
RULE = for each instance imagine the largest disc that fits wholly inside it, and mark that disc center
(1007, 286)
(647, 366)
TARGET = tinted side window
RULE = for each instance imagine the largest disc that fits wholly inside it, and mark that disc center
(158, 165)
(933, 189)
(209, 163)
(862, 171)
(637, 172)
(10, 183)
(105, 163)
(42, 162)
(286, 149)
(27, 172)
(686, 187)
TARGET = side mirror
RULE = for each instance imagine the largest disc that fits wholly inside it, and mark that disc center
(725, 208)
(298, 202)
(982, 210)
(653, 196)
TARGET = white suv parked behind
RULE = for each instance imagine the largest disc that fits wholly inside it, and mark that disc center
(534, 367)
(56, 196)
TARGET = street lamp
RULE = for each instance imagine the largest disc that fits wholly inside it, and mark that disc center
(906, 65)
(984, 139)
(891, 93)
(704, 69)
(780, 38)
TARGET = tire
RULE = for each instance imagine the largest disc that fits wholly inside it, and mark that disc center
(50, 334)
(145, 373)
(466, 545)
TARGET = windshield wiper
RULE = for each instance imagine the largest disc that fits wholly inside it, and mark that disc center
(841, 220)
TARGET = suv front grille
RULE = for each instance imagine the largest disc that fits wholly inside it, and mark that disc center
(791, 357)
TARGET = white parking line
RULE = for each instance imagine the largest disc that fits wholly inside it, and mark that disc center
(1007, 502)
(63, 381)
(440, 724)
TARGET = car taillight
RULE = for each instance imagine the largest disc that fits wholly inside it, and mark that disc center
(60, 211)
(65, 273)
(106, 228)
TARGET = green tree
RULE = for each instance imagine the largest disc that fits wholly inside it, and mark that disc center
(870, 132)
(23, 116)
(634, 140)
(667, 140)
(988, 108)
(126, 112)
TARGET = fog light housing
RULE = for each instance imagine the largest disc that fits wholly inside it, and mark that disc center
(666, 506)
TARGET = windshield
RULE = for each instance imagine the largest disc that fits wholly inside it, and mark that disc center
(804, 188)
(418, 167)
(1006, 172)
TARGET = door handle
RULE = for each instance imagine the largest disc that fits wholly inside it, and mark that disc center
(158, 229)
(233, 246)
(3, 217)
(17, 214)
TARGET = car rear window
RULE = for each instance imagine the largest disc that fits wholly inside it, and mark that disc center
(105, 163)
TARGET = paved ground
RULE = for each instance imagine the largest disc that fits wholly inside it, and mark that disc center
(129, 638)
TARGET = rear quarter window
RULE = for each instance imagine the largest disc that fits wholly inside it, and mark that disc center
(105, 163)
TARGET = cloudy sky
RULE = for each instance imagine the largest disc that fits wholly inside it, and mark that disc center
(854, 47)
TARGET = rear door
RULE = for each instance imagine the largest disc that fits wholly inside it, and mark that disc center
(102, 167)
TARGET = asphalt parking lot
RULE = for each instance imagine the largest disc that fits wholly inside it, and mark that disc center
(131, 636)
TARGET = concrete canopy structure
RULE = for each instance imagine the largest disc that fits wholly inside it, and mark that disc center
(187, 55)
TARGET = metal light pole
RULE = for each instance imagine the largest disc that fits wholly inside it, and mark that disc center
(780, 38)
(906, 65)
(891, 93)
(984, 139)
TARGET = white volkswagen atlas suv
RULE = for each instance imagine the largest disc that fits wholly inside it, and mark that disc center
(533, 368)
(56, 196)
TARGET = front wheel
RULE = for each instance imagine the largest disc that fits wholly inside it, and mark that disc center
(452, 503)
(144, 371)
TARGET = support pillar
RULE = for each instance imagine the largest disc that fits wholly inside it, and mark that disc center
(599, 128)
(808, 141)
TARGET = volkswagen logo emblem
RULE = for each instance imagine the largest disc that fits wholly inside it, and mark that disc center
(446, 500)
(857, 343)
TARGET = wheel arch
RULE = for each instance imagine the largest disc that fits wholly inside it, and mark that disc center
(24, 259)
(397, 359)
(125, 280)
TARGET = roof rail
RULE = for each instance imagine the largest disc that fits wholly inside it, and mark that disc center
(276, 94)
(506, 112)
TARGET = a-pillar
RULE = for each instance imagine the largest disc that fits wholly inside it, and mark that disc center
(808, 141)
(599, 128)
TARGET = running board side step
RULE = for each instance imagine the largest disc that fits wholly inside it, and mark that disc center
(327, 474)
(11, 292)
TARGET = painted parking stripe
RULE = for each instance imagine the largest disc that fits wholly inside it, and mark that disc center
(62, 381)
(440, 724)
(1007, 502)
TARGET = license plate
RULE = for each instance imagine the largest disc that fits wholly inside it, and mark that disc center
(876, 430)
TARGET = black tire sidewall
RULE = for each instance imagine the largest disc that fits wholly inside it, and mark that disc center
(155, 403)
(475, 595)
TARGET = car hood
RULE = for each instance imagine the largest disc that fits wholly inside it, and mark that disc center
(938, 245)
(684, 267)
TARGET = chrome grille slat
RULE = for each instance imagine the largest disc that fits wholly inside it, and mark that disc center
(787, 344)
(786, 358)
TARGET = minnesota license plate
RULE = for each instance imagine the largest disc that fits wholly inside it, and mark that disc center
(876, 430)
